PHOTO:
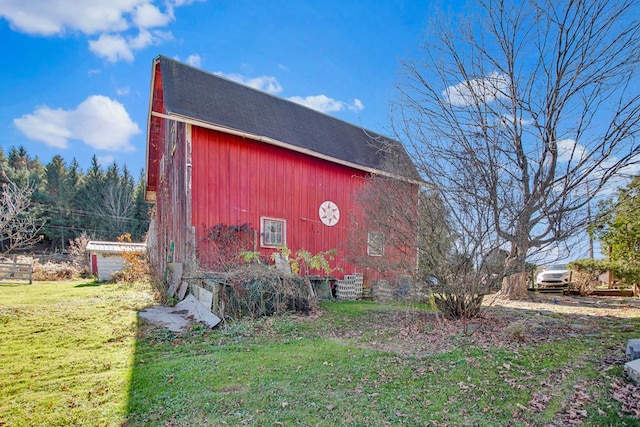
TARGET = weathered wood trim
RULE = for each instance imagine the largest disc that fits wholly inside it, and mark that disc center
(190, 234)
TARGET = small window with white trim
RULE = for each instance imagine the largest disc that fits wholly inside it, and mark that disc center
(273, 232)
(375, 243)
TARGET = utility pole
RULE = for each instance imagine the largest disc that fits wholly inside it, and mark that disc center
(589, 220)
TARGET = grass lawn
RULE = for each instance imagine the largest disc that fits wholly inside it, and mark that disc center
(74, 354)
(67, 351)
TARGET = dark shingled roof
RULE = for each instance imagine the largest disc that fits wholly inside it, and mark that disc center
(213, 99)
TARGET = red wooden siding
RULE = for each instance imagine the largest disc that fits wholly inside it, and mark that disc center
(237, 181)
(217, 178)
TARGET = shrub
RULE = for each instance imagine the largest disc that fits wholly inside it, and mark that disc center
(256, 290)
(50, 271)
(223, 245)
(515, 331)
(160, 289)
(585, 281)
(132, 272)
(459, 287)
(587, 272)
(135, 268)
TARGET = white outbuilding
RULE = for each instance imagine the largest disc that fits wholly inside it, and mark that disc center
(106, 257)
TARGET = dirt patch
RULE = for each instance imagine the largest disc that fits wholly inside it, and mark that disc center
(618, 307)
(503, 324)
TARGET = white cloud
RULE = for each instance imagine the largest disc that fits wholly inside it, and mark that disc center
(570, 150)
(142, 40)
(105, 160)
(98, 121)
(194, 60)
(621, 178)
(48, 18)
(506, 120)
(160, 36)
(481, 90)
(267, 84)
(46, 125)
(178, 3)
(114, 22)
(271, 85)
(633, 168)
(112, 47)
(148, 16)
(123, 91)
(325, 104)
(319, 102)
(356, 105)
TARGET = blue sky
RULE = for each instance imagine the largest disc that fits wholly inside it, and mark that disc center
(74, 76)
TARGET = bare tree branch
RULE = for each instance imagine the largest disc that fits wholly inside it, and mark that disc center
(514, 117)
(19, 227)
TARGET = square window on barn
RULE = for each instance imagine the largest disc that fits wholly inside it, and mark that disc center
(273, 232)
(375, 243)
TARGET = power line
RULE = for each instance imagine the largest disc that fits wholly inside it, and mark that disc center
(86, 213)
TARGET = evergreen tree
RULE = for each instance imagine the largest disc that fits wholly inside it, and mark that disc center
(88, 201)
(57, 204)
(618, 228)
(18, 161)
(75, 180)
(25, 170)
(4, 162)
(141, 211)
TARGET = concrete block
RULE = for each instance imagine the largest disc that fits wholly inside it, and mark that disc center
(206, 298)
(182, 290)
(174, 276)
(633, 370)
(633, 349)
(198, 311)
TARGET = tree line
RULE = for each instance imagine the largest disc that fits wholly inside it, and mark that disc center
(68, 201)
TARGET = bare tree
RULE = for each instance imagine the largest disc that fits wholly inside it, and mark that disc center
(384, 237)
(449, 254)
(19, 227)
(117, 204)
(512, 114)
(117, 207)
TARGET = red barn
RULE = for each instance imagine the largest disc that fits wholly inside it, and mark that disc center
(221, 153)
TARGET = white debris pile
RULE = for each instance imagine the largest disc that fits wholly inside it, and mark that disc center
(177, 318)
